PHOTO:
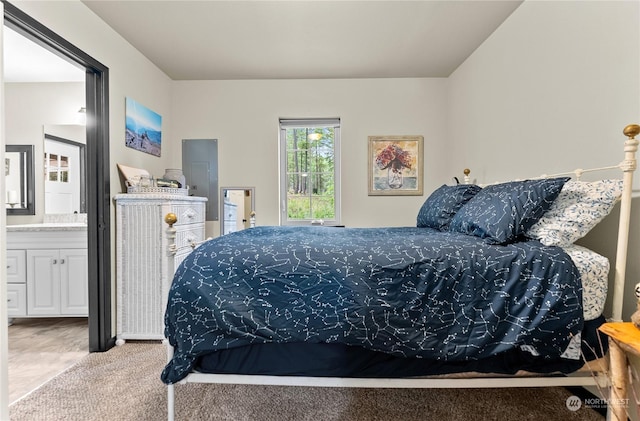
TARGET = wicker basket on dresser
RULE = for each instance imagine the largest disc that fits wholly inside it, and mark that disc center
(142, 268)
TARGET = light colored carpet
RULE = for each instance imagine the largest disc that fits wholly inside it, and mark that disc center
(124, 384)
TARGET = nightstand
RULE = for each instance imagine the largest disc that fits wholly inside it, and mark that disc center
(624, 338)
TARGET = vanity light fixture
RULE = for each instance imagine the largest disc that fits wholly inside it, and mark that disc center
(82, 116)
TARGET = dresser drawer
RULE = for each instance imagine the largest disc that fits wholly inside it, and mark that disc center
(188, 237)
(16, 300)
(16, 266)
(189, 213)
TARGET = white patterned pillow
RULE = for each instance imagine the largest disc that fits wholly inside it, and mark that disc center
(594, 274)
(577, 209)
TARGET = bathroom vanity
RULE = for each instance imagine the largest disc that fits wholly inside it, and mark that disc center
(47, 272)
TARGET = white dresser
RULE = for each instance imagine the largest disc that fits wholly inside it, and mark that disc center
(142, 267)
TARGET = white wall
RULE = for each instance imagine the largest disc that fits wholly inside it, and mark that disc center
(243, 116)
(554, 84)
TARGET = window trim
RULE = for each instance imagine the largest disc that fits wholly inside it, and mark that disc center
(289, 123)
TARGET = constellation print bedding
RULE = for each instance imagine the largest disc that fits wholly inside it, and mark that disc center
(467, 288)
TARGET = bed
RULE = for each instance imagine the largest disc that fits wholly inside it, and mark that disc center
(487, 290)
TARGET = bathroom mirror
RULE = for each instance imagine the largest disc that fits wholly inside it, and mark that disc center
(19, 176)
(236, 205)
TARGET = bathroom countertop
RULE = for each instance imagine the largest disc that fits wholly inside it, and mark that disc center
(49, 226)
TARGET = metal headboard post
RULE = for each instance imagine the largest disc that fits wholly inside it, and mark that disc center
(170, 219)
(628, 166)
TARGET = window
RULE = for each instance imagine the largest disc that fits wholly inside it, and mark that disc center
(309, 171)
(56, 168)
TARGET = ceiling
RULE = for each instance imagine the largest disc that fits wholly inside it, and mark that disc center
(295, 39)
(26, 61)
(218, 40)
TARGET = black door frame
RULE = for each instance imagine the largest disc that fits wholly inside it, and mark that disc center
(97, 182)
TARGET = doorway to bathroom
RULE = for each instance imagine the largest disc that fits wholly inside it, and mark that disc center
(97, 169)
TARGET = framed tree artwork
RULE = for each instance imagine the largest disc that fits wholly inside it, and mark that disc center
(395, 165)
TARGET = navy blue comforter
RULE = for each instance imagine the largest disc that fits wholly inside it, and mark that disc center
(412, 292)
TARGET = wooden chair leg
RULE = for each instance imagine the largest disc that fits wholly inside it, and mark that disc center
(619, 381)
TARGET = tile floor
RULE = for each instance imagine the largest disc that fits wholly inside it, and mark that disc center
(40, 348)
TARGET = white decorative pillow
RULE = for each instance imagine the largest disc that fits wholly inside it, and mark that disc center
(577, 209)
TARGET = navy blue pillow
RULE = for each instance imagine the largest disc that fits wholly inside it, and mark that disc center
(437, 211)
(503, 212)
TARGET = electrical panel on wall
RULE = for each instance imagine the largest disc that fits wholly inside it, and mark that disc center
(200, 168)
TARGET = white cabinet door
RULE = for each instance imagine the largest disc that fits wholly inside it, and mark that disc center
(16, 267)
(16, 283)
(43, 282)
(16, 300)
(74, 296)
(57, 282)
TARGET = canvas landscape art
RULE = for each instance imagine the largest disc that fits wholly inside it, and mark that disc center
(143, 128)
